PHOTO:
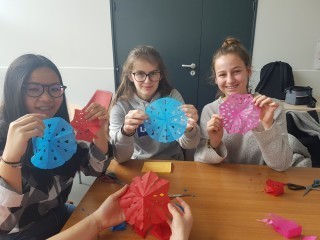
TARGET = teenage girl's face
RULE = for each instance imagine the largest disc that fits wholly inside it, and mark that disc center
(232, 75)
(45, 103)
(147, 89)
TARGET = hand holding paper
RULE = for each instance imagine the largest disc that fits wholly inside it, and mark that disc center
(239, 113)
(145, 205)
(56, 146)
(166, 122)
(86, 122)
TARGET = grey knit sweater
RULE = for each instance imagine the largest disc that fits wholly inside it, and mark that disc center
(141, 146)
(258, 146)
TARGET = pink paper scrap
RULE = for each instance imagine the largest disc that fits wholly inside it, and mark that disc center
(285, 227)
(309, 238)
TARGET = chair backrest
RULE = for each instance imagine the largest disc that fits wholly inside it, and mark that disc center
(314, 114)
(293, 129)
(311, 142)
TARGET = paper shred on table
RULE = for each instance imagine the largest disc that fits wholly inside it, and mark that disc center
(309, 238)
(274, 188)
(164, 167)
(285, 227)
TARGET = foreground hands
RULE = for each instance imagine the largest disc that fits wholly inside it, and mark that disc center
(132, 121)
(215, 130)
(268, 107)
(192, 114)
(107, 215)
(181, 222)
(110, 213)
(20, 132)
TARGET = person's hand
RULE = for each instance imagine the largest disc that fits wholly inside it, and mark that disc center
(268, 107)
(181, 222)
(97, 111)
(19, 133)
(132, 121)
(192, 114)
(215, 130)
(110, 213)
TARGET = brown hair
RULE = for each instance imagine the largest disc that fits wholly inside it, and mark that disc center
(230, 46)
(141, 53)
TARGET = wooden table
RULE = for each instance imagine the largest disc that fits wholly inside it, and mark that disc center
(229, 198)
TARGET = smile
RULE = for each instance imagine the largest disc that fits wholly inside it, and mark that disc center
(44, 108)
(232, 87)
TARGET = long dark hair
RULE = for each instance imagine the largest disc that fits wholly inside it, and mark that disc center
(141, 53)
(18, 73)
(13, 107)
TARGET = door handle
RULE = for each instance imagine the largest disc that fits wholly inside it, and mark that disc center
(192, 66)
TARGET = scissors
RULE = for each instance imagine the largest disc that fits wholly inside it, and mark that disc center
(180, 195)
(112, 177)
(314, 186)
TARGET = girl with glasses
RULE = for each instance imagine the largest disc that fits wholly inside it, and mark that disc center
(32, 200)
(143, 81)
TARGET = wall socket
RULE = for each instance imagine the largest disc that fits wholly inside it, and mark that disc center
(317, 56)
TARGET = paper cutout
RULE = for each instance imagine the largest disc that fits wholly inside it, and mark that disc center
(102, 97)
(161, 231)
(285, 227)
(157, 167)
(239, 114)
(273, 187)
(145, 203)
(85, 130)
(56, 146)
(166, 122)
(309, 238)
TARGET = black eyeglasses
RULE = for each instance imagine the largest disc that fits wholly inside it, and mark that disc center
(36, 89)
(154, 76)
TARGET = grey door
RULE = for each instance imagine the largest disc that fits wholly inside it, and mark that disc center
(184, 32)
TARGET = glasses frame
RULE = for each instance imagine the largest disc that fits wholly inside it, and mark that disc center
(45, 87)
(147, 75)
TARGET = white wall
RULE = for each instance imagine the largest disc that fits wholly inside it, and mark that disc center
(288, 30)
(76, 35)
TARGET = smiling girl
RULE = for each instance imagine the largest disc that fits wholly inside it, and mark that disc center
(32, 200)
(266, 144)
(143, 81)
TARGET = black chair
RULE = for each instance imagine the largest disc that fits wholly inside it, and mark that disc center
(310, 142)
